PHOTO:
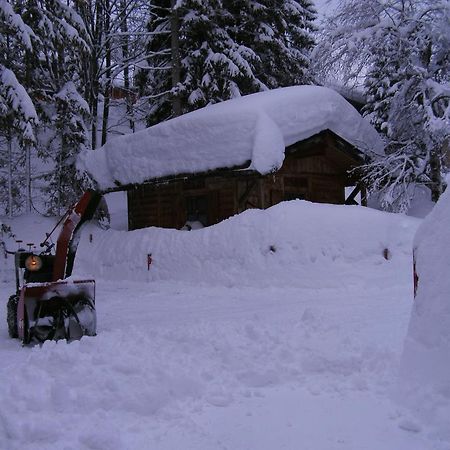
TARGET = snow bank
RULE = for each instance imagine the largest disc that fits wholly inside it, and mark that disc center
(293, 243)
(180, 365)
(425, 371)
(252, 129)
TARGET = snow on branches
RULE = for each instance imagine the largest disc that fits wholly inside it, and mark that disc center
(399, 52)
(16, 104)
(13, 23)
(226, 49)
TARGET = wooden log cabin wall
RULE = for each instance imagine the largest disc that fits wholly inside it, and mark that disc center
(315, 169)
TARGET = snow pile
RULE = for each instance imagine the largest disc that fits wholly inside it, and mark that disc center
(293, 243)
(297, 342)
(425, 372)
(253, 129)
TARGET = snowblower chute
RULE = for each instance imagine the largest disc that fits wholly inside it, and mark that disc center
(47, 305)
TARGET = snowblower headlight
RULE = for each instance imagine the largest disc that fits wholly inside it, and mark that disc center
(33, 263)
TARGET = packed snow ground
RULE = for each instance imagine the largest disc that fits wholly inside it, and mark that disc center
(227, 344)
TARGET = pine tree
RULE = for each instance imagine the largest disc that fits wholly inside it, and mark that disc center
(17, 113)
(281, 33)
(215, 67)
(18, 119)
(71, 136)
(227, 49)
(41, 45)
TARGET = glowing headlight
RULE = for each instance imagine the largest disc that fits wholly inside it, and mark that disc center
(33, 263)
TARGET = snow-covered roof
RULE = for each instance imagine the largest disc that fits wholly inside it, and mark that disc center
(255, 128)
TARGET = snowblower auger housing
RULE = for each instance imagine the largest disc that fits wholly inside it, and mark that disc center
(46, 305)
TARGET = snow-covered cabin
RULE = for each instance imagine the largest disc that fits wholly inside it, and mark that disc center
(250, 152)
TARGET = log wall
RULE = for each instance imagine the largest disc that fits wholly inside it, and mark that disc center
(314, 170)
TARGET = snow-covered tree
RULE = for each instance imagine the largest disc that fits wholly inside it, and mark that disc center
(64, 186)
(225, 49)
(281, 33)
(17, 123)
(401, 49)
(17, 113)
(43, 44)
(215, 67)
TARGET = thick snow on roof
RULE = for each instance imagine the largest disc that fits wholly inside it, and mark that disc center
(254, 128)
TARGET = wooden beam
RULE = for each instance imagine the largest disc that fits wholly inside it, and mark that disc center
(261, 193)
(231, 172)
(244, 197)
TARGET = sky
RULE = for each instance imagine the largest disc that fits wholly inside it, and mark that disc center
(323, 6)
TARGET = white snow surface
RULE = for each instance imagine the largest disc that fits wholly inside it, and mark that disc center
(276, 329)
(255, 128)
(293, 243)
(425, 370)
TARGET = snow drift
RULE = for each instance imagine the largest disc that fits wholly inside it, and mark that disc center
(293, 243)
(425, 371)
(187, 365)
(254, 129)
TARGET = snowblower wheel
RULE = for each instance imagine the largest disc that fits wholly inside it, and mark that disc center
(12, 316)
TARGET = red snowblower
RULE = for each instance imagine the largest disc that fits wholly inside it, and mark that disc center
(46, 304)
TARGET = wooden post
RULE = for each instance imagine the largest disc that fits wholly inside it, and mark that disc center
(262, 202)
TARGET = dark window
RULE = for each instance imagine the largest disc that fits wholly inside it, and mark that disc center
(197, 209)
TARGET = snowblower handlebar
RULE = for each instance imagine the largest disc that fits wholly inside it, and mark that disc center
(67, 242)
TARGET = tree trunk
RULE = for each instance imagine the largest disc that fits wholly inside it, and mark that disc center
(435, 175)
(175, 52)
(107, 94)
(28, 178)
(95, 82)
(126, 71)
(10, 183)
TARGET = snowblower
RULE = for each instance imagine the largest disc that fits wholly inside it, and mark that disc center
(46, 304)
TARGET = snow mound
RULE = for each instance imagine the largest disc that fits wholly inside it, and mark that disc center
(254, 129)
(425, 371)
(293, 243)
(179, 365)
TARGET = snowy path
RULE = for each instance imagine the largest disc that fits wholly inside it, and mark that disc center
(187, 367)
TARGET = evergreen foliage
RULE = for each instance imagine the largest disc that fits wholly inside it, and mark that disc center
(41, 47)
(70, 136)
(59, 60)
(227, 49)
